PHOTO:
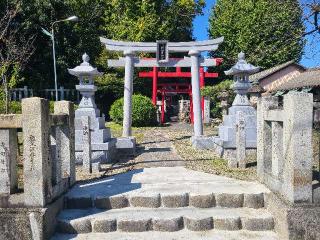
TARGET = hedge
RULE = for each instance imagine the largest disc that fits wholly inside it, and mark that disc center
(143, 111)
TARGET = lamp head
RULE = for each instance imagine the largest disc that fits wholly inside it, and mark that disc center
(72, 19)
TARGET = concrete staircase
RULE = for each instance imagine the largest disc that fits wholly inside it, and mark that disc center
(166, 203)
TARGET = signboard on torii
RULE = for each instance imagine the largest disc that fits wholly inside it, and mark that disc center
(195, 60)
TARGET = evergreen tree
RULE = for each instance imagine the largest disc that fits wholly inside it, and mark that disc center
(270, 32)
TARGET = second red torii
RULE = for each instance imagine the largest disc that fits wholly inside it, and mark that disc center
(155, 74)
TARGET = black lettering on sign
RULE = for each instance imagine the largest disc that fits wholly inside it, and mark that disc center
(162, 51)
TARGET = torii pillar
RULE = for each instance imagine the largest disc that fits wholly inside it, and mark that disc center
(196, 96)
(128, 91)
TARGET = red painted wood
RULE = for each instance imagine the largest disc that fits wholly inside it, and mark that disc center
(175, 74)
(162, 109)
(154, 85)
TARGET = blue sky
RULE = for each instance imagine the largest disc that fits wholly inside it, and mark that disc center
(311, 57)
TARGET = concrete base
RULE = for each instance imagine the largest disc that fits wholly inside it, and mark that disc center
(126, 146)
(202, 142)
(29, 223)
(231, 155)
(101, 152)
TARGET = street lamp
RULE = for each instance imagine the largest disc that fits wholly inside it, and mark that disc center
(51, 35)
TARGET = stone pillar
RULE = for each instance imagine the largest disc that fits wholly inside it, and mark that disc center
(66, 138)
(264, 136)
(206, 110)
(128, 91)
(37, 163)
(196, 95)
(86, 144)
(241, 140)
(297, 137)
(277, 148)
(8, 161)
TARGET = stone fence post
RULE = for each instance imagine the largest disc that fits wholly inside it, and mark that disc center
(8, 161)
(37, 163)
(297, 136)
(47, 174)
(66, 141)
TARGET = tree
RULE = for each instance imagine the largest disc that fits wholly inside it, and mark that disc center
(15, 48)
(72, 40)
(270, 32)
(149, 20)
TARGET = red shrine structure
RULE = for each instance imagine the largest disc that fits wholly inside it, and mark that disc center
(174, 87)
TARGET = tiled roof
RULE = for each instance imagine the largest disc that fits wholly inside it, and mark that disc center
(309, 78)
(263, 74)
(256, 89)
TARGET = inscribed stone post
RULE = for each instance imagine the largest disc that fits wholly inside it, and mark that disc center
(37, 164)
(67, 140)
(86, 144)
(8, 158)
(241, 140)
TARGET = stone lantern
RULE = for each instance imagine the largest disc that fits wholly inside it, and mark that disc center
(102, 145)
(86, 74)
(223, 97)
(240, 113)
(241, 72)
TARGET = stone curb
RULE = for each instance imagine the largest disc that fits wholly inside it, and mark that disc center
(252, 200)
(165, 224)
(198, 224)
(152, 201)
(133, 225)
(230, 224)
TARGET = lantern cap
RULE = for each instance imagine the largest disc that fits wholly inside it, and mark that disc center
(85, 69)
(242, 67)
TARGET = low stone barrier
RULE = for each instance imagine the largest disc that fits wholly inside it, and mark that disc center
(284, 148)
(48, 153)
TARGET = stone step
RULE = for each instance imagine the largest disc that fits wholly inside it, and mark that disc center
(164, 220)
(170, 200)
(180, 235)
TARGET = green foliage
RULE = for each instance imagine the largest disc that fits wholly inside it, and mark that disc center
(14, 107)
(270, 32)
(148, 20)
(213, 93)
(143, 111)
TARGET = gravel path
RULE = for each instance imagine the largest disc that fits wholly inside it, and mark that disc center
(156, 150)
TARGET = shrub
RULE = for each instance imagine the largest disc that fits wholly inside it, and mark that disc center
(213, 92)
(143, 112)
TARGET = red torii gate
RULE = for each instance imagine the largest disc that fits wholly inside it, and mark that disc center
(155, 74)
